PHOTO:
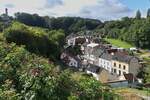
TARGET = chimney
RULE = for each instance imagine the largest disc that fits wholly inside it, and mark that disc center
(6, 11)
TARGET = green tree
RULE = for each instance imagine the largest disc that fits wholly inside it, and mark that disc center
(148, 13)
(37, 40)
(138, 15)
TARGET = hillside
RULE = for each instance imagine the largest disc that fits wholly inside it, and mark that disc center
(30, 47)
(27, 75)
(37, 40)
(132, 30)
(68, 24)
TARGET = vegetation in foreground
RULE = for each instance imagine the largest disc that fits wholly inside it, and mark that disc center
(27, 76)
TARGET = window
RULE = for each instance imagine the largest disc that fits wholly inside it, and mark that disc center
(124, 67)
(108, 63)
(114, 64)
(119, 65)
(115, 70)
(124, 72)
(112, 69)
(119, 72)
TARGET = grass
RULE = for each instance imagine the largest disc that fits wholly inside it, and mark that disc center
(118, 43)
(132, 91)
(77, 75)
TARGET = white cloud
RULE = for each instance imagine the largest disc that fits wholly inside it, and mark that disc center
(106, 10)
(102, 9)
(31, 6)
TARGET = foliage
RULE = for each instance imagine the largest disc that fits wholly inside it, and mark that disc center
(138, 15)
(148, 13)
(68, 24)
(32, 20)
(146, 71)
(26, 76)
(74, 50)
(1, 26)
(37, 40)
(132, 30)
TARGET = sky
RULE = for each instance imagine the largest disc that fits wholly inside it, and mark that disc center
(96, 9)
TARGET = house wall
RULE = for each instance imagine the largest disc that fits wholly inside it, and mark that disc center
(119, 67)
(71, 42)
(91, 59)
(106, 64)
(104, 76)
(73, 63)
(134, 66)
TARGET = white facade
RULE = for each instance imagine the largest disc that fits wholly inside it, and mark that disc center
(106, 64)
(91, 59)
(134, 49)
(71, 42)
(73, 63)
(92, 45)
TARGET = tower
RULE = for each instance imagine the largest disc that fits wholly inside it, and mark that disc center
(6, 11)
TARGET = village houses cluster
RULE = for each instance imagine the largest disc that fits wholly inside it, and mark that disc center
(107, 63)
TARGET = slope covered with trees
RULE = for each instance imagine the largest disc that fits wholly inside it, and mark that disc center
(37, 40)
(133, 30)
(68, 24)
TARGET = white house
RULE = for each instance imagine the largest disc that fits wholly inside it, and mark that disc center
(73, 63)
(90, 52)
(124, 64)
(71, 41)
(70, 60)
(105, 61)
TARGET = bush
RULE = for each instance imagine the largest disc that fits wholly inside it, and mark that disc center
(37, 40)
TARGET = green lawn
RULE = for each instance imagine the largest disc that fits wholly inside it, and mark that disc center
(119, 43)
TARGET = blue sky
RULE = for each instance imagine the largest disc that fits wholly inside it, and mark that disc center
(137, 4)
(97, 9)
